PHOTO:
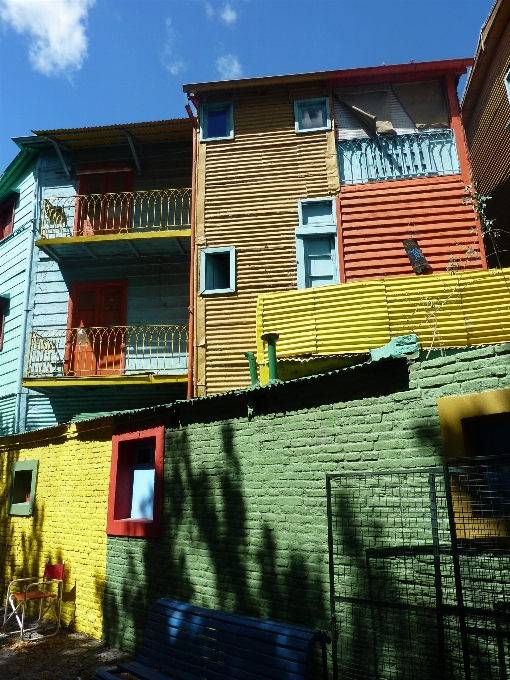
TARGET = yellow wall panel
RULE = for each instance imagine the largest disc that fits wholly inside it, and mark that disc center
(444, 310)
(69, 520)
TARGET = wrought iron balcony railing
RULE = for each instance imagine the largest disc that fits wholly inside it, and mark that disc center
(116, 213)
(372, 159)
(107, 351)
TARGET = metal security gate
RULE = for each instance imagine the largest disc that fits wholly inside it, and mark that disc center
(420, 572)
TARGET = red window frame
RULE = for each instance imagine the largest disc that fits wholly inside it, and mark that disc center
(121, 476)
(7, 218)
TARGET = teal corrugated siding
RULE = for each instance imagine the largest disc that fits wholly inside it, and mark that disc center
(158, 293)
(13, 281)
(65, 403)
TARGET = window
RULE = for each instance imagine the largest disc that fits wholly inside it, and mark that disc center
(312, 114)
(4, 306)
(217, 270)
(7, 218)
(22, 487)
(507, 84)
(316, 250)
(216, 121)
(136, 484)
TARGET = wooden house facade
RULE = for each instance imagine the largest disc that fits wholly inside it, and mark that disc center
(486, 118)
(18, 188)
(110, 277)
(308, 181)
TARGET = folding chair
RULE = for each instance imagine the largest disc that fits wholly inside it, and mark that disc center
(48, 599)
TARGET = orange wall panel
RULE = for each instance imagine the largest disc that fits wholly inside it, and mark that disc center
(376, 217)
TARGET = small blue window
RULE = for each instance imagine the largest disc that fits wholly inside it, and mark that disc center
(316, 243)
(312, 114)
(216, 121)
(217, 271)
(144, 474)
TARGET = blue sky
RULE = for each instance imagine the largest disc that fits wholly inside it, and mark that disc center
(75, 63)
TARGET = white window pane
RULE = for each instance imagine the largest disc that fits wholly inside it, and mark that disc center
(142, 501)
(313, 117)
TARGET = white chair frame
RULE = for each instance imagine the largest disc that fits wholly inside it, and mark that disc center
(19, 606)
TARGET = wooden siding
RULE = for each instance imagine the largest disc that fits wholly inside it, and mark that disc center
(14, 281)
(247, 196)
(376, 218)
(489, 144)
(158, 292)
(466, 309)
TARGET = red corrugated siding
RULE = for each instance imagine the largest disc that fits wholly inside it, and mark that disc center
(376, 218)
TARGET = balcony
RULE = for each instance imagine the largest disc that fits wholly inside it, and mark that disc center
(446, 311)
(129, 224)
(374, 159)
(111, 355)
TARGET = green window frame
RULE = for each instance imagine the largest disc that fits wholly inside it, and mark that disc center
(209, 127)
(23, 482)
(302, 108)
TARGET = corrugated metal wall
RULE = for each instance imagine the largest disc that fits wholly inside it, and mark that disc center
(378, 216)
(466, 309)
(158, 293)
(489, 145)
(250, 200)
(13, 282)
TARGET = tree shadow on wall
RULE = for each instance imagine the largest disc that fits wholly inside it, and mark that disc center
(210, 553)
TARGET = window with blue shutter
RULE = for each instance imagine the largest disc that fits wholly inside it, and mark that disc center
(316, 244)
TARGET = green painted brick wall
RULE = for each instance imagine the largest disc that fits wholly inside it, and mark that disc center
(245, 525)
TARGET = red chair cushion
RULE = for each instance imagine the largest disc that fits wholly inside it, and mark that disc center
(33, 595)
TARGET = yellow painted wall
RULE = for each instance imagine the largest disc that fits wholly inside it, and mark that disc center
(468, 308)
(69, 520)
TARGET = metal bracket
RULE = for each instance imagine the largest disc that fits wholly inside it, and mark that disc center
(132, 145)
(58, 148)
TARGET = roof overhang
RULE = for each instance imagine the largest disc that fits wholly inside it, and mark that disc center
(412, 71)
(488, 43)
(111, 135)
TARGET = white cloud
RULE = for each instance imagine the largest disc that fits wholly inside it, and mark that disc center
(175, 66)
(229, 67)
(209, 10)
(228, 14)
(55, 29)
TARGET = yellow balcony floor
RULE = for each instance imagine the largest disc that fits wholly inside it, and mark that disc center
(104, 380)
(167, 242)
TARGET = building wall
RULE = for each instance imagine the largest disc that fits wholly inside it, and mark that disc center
(14, 280)
(247, 196)
(158, 291)
(69, 520)
(245, 522)
(489, 144)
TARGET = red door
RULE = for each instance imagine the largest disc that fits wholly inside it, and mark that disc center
(95, 343)
(102, 205)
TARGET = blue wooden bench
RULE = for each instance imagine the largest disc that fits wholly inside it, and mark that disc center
(186, 642)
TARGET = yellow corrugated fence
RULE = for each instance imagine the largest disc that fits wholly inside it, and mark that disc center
(444, 310)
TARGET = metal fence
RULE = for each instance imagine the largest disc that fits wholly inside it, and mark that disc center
(116, 213)
(109, 350)
(420, 572)
(371, 159)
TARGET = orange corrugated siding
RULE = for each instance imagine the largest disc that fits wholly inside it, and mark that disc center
(378, 216)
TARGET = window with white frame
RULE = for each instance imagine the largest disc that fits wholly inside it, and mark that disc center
(507, 84)
(316, 244)
(312, 114)
(217, 270)
(216, 121)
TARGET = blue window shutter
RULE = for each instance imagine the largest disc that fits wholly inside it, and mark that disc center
(320, 257)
